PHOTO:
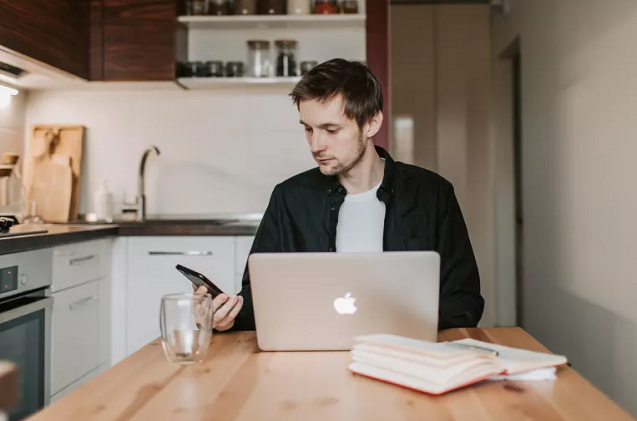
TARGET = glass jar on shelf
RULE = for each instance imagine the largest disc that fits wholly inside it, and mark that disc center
(349, 6)
(298, 7)
(286, 65)
(271, 7)
(306, 66)
(219, 7)
(325, 7)
(245, 7)
(196, 7)
(234, 69)
(259, 58)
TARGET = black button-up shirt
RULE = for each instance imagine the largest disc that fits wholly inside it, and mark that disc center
(422, 213)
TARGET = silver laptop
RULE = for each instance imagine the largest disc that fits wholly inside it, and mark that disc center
(321, 301)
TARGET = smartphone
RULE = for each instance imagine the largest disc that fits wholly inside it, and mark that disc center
(198, 280)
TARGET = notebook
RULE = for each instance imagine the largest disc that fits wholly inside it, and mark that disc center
(438, 368)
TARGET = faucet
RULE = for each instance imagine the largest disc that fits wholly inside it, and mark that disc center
(139, 206)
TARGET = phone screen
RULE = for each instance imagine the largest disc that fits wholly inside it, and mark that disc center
(198, 280)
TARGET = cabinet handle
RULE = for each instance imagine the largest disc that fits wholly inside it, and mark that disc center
(81, 302)
(180, 253)
(79, 260)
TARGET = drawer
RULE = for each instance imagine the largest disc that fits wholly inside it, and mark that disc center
(152, 261)
(244, 244)
(75, 336)
(151, 274)
(75, 264)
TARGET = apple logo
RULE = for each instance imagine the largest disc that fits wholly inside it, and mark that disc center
(345, 305)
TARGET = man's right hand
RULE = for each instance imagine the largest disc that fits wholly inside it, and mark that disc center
(226, 308)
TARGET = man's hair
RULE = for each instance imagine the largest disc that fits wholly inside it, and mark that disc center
(361, 91)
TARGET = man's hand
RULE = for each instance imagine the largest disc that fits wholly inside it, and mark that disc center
(225, 309)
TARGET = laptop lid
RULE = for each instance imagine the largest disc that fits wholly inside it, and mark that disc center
(321, 301)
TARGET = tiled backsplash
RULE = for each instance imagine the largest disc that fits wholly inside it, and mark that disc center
(221, 151)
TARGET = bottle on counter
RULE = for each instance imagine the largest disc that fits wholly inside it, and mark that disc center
(104, 204)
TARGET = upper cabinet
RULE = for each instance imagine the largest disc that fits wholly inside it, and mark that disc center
(135, 40)
(54, 32)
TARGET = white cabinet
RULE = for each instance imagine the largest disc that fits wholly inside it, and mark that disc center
(151, 273)
(74, 264)
(80, 338)
(75, 340)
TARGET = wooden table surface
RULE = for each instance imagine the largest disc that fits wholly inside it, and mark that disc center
(8, 385)
(236, 382)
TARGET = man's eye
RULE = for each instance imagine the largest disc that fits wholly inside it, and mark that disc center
(332, 131)
(308, 129)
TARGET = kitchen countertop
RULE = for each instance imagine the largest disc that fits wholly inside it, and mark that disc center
(236, 382)
(166, 225)
(56, 235)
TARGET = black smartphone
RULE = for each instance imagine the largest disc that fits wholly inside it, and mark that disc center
(198, 280)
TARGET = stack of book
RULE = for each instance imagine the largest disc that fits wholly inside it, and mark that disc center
(437, 368)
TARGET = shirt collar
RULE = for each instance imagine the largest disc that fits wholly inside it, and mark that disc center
(387, 185)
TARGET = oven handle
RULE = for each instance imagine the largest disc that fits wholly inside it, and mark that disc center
(7, 316)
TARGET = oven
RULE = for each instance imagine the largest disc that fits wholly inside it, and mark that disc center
(25, 325)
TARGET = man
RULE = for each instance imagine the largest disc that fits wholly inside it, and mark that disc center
(359, 199)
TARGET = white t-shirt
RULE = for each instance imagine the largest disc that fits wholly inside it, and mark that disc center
(361, 220)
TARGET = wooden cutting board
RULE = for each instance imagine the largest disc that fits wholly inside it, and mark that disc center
(52, 189)
(55, 140)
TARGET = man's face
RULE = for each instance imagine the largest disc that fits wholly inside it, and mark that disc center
(336, 142)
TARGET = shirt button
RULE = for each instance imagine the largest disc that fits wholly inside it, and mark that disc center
(333, 209)
(329, 191)
(340, 190)
(331, 249)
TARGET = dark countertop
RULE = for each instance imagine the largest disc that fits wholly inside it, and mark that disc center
(59, 234)
(187, 228)
(56, 235)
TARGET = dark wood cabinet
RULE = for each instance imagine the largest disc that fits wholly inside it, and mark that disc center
(135, 40)
(55, 32)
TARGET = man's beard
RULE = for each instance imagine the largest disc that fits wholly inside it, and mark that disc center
(343, 168)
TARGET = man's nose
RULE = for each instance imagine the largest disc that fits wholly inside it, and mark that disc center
(316, 143)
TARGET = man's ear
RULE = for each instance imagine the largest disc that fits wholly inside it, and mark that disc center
(373, 126)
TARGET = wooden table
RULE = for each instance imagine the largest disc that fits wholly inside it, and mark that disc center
(238, 383)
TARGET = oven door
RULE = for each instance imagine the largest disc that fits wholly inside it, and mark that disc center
(25, 339)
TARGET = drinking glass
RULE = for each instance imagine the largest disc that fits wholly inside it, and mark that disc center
(186, 327)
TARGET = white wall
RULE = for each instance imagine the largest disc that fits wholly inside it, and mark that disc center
(12, 124)
(579, 79)
(221, 151)
(441, 78)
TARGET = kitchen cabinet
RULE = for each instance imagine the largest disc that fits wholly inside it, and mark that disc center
(75, 339)
(55, 32)
(151, 273)
(135, 40)
(80, 335)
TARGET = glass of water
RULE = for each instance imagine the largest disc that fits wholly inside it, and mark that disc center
(186, 327)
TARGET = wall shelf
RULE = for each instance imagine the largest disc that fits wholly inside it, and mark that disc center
(273, 21)
(210, 83)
